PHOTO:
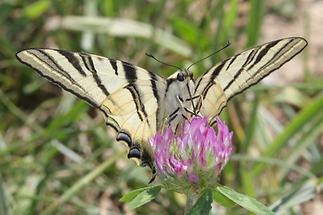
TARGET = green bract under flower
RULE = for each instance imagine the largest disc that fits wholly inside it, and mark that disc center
(191, 158)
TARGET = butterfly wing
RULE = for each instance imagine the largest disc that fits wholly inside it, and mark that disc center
(128, 96)
(235, 74)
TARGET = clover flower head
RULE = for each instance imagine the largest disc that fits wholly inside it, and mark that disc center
(193, 156)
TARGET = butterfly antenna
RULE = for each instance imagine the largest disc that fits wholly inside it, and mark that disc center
(159, 61)
(188, 88)
(227, 45)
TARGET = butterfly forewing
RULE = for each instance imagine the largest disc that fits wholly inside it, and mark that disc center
(128, 96)
(235, 74)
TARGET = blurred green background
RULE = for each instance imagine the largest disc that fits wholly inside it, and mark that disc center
(56, 155)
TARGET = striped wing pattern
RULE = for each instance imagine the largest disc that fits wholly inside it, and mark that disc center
(128, 96)
(233, 75)
(136, 102)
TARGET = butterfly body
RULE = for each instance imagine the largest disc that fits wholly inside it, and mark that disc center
(179, 89)
(137, 103)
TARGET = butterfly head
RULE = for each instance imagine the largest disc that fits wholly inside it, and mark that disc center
(184, 75)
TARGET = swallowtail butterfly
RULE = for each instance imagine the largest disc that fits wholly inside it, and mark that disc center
(137, 103)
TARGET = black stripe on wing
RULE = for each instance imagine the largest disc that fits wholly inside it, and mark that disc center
(51, 62)
(59, 71)
(280, 51)
(136, 96)
(88, 62)
(73, 60)
(153, 82)
(114, 66)
(263, 53)
(214, 73)
(130, 72)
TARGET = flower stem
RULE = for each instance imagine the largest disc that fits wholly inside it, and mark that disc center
(190, 201)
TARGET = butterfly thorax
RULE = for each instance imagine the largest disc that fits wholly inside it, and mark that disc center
(179, 90)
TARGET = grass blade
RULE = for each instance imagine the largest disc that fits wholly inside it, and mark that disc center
(81, 184)
(124, 28)
(254, 22)
(298, 195)
(4, 210)
(309, 112)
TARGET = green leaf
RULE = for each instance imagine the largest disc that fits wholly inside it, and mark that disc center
(37, 9)
(223, 200)
(203, 204)
(244, 201)
(132, 194)
(143, 197)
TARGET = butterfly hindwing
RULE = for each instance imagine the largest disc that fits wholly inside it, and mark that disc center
(235, 74)
(128, 96)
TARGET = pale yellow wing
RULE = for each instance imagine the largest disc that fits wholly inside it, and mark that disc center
(235, 74)
(129, 97)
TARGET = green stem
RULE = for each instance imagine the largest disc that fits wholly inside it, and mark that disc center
(190, 201)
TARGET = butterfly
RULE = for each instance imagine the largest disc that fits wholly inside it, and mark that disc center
(137, 103)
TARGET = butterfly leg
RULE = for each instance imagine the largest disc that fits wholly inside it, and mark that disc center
(186, 109)
(172, 116)
(182, 110)
(191, 98)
